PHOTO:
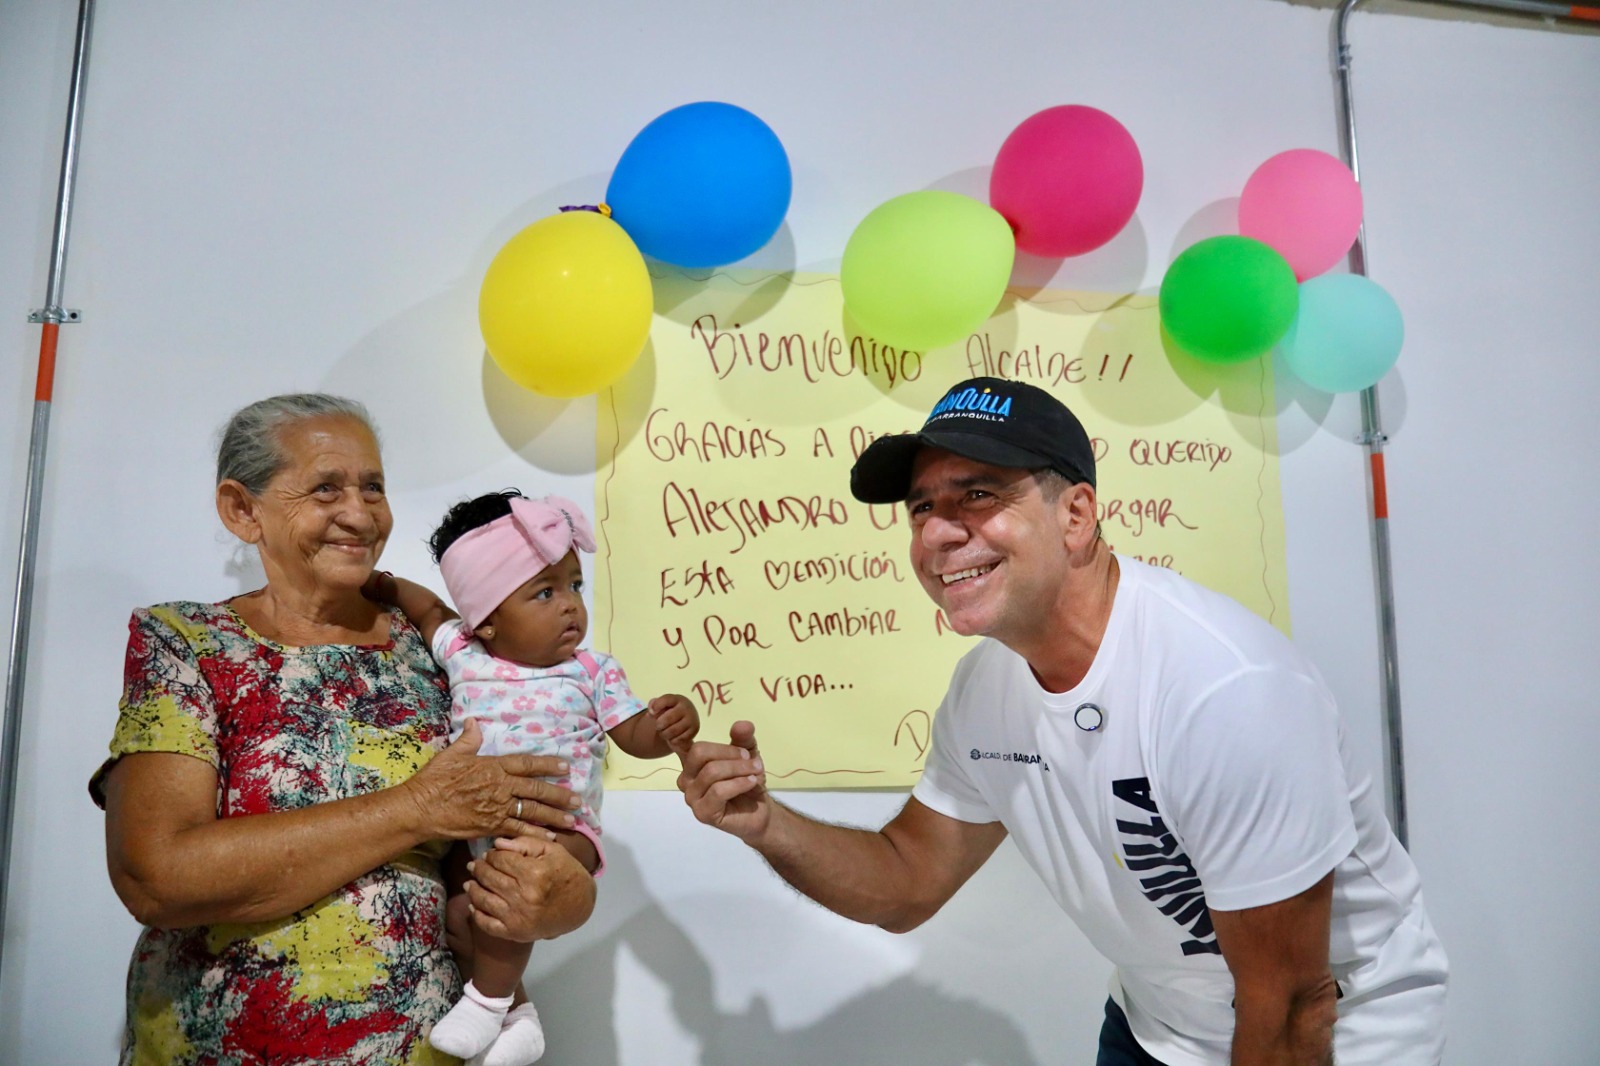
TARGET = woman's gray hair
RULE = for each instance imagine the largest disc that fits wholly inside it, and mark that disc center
(250, 450)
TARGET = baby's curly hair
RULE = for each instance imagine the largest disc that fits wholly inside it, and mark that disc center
(468, 515)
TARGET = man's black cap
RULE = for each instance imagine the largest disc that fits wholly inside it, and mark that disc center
(1005, 423)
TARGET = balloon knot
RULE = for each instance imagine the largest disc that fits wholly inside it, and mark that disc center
(599, 209)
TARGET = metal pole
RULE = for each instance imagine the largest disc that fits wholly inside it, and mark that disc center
(1373, 437)
(1372, 434)
(1532, 7)
(51, 316)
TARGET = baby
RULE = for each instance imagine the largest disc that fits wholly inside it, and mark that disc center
(511, 567)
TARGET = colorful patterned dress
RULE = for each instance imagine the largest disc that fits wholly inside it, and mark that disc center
(360, 975)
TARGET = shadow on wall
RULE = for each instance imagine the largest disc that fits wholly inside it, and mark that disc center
(904, 1020)
(435, 348)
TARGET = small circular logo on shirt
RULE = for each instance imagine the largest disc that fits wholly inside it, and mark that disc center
(976, 754)
(1088, 717)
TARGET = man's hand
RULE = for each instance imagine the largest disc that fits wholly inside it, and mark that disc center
(725, 784)
(676, 720)
(529, 889)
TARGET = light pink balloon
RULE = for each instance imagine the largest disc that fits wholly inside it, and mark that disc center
(1068, 179)
(1306, 205)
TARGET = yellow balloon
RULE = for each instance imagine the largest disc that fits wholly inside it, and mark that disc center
(565, 306)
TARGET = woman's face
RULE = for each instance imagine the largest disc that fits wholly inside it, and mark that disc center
(324, 518)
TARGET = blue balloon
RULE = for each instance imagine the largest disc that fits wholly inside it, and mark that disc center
(1346, 334)
(703, 185)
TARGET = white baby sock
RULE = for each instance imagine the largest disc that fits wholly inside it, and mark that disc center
(471, 1025)
(521, 1039)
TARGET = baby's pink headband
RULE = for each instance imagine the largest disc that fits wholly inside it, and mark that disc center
(489, 563)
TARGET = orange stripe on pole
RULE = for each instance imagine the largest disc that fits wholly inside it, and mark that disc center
(1590, 13)
(1380, 488)
(47, 363)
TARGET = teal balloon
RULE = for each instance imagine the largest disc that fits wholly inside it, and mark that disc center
(1346, 336)
(927, 268)
(1228, 299)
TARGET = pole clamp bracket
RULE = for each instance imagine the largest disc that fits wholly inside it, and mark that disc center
(1370, 437)
(58, 315)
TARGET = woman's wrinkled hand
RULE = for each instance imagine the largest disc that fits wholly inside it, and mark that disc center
(460, 795)
(529, 889)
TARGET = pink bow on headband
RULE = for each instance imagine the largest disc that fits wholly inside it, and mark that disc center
(491, 562)
(552, 525)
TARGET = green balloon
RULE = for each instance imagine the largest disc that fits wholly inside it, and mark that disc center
(925, 269)
(1228, 299)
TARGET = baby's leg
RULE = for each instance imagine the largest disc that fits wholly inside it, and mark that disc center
(497, 964)
(521, 1039)
(580, 847)
(474, 1022)
(458, 935)
(458, 908)
(458, 932)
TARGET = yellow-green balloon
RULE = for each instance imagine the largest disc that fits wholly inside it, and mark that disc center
(566, 305)
(1228, 299)
(925, 269)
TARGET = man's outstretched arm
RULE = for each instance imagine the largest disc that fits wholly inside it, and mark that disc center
(896, 877)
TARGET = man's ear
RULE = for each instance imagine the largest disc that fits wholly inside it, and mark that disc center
(237, 509)
(1080, 519)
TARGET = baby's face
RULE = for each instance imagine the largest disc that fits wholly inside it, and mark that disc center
(543, 621)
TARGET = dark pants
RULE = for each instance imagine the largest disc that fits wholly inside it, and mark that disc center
(1117, 1045)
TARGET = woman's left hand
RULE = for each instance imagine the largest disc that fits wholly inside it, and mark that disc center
(529, 889)
(459, 794)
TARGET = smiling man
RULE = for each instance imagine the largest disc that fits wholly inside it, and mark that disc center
(1174, 770)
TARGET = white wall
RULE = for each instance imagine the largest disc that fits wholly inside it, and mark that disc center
(304, 195)
(1482, 177)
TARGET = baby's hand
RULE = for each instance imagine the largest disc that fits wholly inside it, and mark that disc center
(379, 587)
(675, 720)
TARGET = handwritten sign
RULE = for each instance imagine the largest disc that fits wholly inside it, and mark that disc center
(735, 567)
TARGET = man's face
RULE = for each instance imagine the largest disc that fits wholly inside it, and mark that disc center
(987, 546)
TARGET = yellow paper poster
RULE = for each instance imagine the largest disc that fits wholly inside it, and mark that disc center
(735, 567)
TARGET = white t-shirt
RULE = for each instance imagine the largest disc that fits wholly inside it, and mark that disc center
(1201, 763)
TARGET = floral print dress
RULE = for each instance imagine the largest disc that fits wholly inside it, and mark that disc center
(356, 977)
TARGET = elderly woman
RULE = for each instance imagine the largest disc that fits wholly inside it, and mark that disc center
(279, 794)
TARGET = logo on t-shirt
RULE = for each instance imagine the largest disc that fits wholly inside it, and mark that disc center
(1027, 758)
(1167, 877)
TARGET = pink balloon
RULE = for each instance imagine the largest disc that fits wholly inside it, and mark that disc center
(1068, 179)
(1306, 205)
